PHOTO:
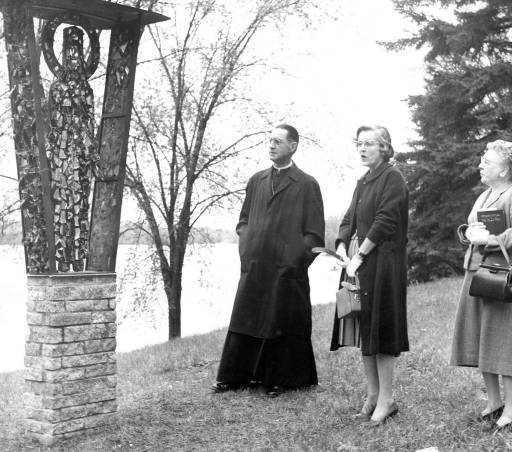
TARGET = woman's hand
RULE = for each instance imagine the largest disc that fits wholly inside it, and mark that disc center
(353, 265)
(477, 233)
(342, 251)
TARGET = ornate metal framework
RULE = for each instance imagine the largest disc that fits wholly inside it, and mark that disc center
(57, 151)
(18, 34)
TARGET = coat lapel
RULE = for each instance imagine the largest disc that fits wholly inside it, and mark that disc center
(290, 177)
(380, 169)
(266, 179)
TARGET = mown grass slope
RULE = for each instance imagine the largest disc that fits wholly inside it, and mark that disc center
(165, 402)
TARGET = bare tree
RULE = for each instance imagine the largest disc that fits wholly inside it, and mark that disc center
(177, 164)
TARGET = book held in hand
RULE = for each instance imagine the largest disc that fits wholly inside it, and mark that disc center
(319, 249)
(494, 220)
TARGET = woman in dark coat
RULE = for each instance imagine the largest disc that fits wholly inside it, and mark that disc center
(372, 241)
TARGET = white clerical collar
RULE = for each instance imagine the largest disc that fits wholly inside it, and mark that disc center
(283, 167)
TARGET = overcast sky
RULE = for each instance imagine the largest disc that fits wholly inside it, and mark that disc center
(341, 78)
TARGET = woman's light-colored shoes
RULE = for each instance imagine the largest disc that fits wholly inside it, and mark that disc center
(367, 411)
(502, 424)
(393, 409)
(490, 415)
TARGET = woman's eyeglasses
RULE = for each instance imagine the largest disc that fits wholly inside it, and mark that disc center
(365, 143)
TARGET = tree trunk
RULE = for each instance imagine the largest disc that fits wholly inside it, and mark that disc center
(172, 283)
(173, 293)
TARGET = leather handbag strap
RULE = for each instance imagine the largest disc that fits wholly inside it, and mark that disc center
(353, 280)
(503, 249)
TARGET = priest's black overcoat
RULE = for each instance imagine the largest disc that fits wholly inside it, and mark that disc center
(277, 232)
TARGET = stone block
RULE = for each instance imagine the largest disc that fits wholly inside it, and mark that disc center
(100, 345)
(44, 439)
(87, 360)
(69, 318)
(112, 303)
(100, 420)
(33, 401)
(85, 278)
(34, 426)
(58, 376)
(46, 306)
(43, 388)
(37, 280)
(86, 305)
(36, 318)
(90, 409)
(99, 370)
(42, 415)
(103, 317)
(37, 293)
(33, 349)
(78, 399)
(71, 348)
(43, 362)
(45, 334)
(89, 385)
(82, 292)
(112, 328)
(64, 427)
(85, 332)
(34, 374)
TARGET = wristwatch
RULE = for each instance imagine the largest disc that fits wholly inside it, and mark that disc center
(361, 255)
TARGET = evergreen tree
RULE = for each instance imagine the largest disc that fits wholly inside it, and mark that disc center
(467, 103)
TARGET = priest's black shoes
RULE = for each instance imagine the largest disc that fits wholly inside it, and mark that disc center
(219, 387)
(275, 391)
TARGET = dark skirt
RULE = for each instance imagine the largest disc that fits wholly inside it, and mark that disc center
(286, 361)
(379, 329)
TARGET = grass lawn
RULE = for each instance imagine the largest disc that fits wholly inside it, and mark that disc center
(165, 403)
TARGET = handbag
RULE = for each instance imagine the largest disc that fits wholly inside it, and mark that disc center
(493, 279)
(348, 300)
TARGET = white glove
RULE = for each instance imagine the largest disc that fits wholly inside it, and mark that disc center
(477, 235)
(341, 250)
(353, 265)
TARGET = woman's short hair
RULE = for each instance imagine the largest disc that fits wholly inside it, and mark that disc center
(504, 150)
(383, 137)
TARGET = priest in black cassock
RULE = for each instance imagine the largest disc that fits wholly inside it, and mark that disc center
(282, 218)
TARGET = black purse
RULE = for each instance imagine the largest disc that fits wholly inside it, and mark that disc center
(493, 279)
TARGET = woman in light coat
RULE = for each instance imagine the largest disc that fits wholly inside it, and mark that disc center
(483, 328)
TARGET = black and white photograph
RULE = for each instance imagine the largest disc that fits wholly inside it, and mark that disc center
(255, 225)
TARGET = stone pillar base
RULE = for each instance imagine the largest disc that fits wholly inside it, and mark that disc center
(70, 362)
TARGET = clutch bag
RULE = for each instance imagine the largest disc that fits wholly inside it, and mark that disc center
(348, 300)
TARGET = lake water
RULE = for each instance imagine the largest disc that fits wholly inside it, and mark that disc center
(210, 278)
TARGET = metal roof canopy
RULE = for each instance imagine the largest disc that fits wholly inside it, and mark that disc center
(101, 14)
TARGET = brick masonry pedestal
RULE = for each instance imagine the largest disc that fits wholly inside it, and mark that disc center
(70, 362)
